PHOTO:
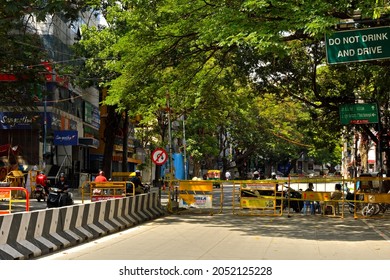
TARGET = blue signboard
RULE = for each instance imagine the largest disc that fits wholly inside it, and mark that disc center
(66, 138)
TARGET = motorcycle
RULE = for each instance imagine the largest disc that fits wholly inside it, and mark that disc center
(59, 198)
(140, 190)
(146, 188)
(40, 193)
(292, 200)
(350, 199)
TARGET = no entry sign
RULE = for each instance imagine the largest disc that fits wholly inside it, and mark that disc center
(159, 156)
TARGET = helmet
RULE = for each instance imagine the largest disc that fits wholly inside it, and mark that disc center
(273, 173)
(41, 172)
(137, 172)
(256, 173)
(62, 175)
(101, 173)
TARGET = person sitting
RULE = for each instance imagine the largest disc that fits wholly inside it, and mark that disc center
(43, 181)
(335, 196)
(101, 178)
(63, 186)
(309, 203)
(62, 183)
(137, 183)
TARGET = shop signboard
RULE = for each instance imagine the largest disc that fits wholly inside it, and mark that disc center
(65, 138)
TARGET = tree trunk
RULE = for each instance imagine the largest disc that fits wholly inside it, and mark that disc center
(125, 143)
(112, 124)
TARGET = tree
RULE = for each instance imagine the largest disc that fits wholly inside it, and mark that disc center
(213, 58)
(22, 50)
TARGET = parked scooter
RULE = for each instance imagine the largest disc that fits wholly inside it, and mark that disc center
(292, 199)
(59, 198)
(350, 199)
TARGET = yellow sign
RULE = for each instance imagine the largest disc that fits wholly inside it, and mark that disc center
(195, 201)
(377, 198)
(316, 196)
(256, 202)
(201, 186)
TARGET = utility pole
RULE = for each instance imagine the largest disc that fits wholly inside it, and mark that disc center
(184, 147)
(170, 136)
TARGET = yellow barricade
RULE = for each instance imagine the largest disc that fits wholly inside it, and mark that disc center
(122, 176)
(316, 196)
(107, 190)
(196, 194)
(377, 198)
(262, 197)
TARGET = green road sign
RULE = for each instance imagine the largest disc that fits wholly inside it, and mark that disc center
(358, 45)
(358, 113)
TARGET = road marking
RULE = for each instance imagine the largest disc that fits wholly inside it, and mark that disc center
(383, 235)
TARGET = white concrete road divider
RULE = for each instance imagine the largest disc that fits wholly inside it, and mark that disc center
(26, 235)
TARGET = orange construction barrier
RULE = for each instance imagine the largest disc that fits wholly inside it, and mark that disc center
(5, 194)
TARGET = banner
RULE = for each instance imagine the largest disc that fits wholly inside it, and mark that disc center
(66, 138)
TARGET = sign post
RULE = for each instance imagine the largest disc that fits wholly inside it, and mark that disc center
(159, 156)
(358, 45)
(359, 113)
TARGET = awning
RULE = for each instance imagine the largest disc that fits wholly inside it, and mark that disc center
(133, 160)
(89, 142)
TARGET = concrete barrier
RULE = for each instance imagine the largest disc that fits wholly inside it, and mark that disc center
(27, 235)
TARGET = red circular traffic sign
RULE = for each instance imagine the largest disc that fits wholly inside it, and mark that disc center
(159, 156)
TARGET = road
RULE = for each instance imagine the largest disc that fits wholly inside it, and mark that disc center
(227, 237)
(198, 235)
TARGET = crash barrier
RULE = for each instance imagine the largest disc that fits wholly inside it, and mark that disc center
(107, 190)
(257, 198)
(27, 235)
(6, 195)
(196, 195)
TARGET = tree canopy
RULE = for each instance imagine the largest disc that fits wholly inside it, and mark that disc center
(244, 74)
(250, 74)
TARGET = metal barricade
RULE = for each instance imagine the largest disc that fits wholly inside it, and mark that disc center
(6, 195)
(196, 195)
(107, 190)
(258, 198)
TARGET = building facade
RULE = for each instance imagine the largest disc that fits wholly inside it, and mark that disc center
(61, 133)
